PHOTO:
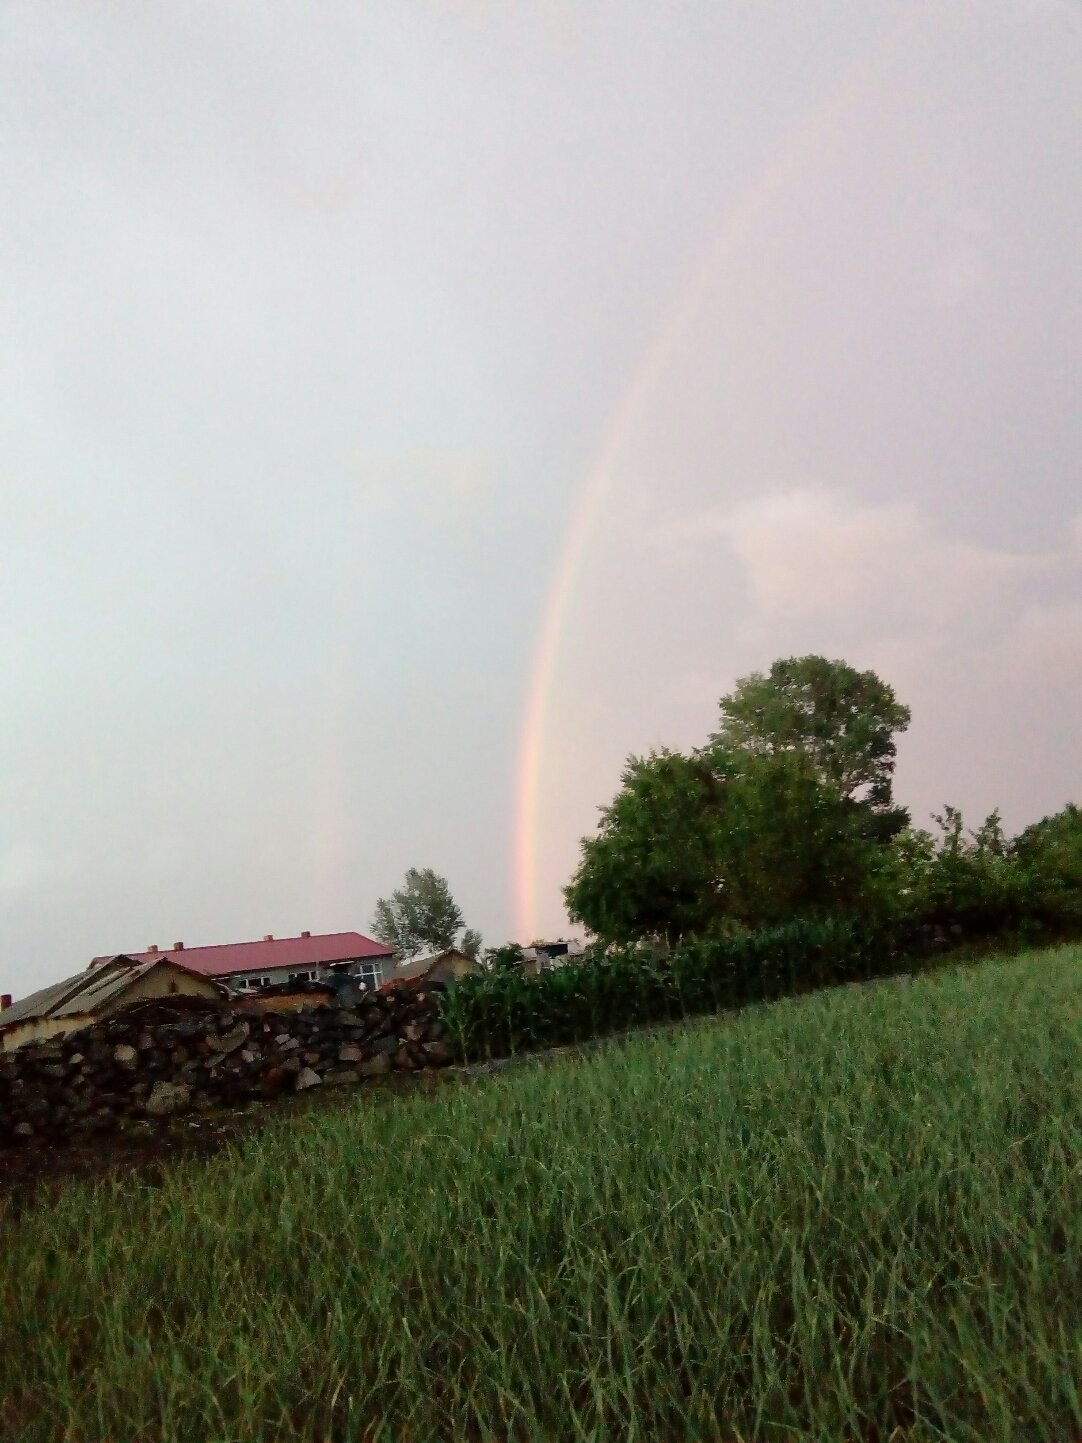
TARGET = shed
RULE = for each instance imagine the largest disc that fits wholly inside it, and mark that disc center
(79, 1001)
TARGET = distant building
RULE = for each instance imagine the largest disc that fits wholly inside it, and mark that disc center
(116, 983)
(443, 967)
(250, 966)
(544, 956)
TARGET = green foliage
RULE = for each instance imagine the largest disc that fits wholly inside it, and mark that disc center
(420, 916)
(502, 1012)
(789, 844)
(848, 1219)
(788, 815)
(471, 943)
(721, 840)
(971, 879)
(1049, 858)
(980, 884)
(652, 869)
(844, 720)
(503, 959)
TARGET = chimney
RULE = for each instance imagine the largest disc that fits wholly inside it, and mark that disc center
(268, 938)
(153, 947)
(178, 946)
(306, 934)
(5, 1001)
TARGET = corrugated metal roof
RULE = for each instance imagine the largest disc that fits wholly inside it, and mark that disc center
(228, 957)
(89, 992)
(419, 967)
(41, 1003)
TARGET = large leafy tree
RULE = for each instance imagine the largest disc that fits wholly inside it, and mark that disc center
(422, 916)
(790, 844)
(1049, 858)
(843, 720)
(652, 868)
(692, 845)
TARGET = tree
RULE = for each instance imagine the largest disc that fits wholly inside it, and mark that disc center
(843, 720)
(697, 845)
(507, 958)
(651, 871)
(422, 916)
(791, 844)
(1049, 857)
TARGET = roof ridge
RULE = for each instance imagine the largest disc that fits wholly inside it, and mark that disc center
(253, 942)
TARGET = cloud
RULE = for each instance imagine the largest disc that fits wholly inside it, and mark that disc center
(818, 556)
(817, 551)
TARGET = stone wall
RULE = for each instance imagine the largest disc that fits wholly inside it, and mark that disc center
(163, 1057)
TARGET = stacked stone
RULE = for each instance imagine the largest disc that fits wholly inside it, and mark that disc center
(160, 1058)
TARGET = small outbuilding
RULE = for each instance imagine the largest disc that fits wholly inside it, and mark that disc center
(444, 967)
(112, 986)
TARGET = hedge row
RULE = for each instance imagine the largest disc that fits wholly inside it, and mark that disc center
(498, 1014)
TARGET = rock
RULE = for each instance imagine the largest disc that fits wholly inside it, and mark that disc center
(231, 1040)
(273, 1080)
(375, 1066)
(167, 1098)
(158, 1059)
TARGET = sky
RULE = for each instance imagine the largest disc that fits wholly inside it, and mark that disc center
(409, 410)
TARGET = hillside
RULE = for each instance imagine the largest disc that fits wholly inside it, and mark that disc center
(853, 1216)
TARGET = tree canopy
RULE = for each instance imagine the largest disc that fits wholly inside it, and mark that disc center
(843, 720)
(422, 916)
(785, 812)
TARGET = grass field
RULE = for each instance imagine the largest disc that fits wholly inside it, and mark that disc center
(857, 1216)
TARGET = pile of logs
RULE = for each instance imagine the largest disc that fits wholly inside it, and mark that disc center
(164, 1057)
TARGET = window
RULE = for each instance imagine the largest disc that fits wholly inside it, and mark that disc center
(369, 974)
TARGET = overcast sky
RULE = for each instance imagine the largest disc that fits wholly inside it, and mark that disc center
(408, 410)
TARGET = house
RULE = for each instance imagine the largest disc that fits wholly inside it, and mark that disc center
(116, 983)
(441, 967)
(544, 956)
(250, 966)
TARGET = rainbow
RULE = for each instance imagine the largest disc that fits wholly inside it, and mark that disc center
(792, 156)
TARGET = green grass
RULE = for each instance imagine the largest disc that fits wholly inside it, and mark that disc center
(855, 1216)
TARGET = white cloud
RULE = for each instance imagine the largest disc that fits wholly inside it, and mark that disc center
(817, 552)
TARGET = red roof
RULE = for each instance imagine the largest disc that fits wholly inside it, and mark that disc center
(229, 957)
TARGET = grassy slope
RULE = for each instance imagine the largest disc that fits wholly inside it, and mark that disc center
(822, 1220)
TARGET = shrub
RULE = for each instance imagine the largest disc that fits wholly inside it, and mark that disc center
(497, 1014)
